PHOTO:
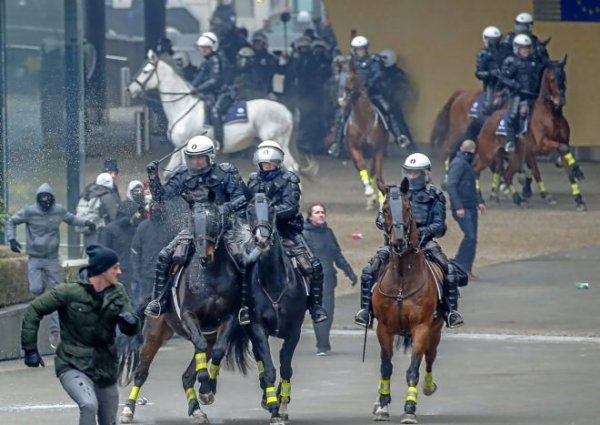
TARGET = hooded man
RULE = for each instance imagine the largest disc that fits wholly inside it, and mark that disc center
(90, 309)
(42, 222)
(103, 189)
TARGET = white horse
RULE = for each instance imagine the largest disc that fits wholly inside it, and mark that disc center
(267, 119)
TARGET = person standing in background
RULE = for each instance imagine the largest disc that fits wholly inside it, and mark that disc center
(324, 245)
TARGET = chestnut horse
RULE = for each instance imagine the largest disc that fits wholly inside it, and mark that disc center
(365, 132)
(548, 131)
(404, 302)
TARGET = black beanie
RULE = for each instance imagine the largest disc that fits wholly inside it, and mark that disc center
(100, 259)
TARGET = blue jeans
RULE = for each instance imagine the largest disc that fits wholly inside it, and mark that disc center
(466, 251)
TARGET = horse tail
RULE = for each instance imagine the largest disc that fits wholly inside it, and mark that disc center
(405, 341)
(441, 125)
(129, 351)
(238, 350)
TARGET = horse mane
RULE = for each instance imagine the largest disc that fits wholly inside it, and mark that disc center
(168, 60)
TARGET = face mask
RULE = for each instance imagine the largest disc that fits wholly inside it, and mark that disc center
(469, 156)
(45, 201)
(138, 198)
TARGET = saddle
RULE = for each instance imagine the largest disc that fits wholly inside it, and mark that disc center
(236, 113)
(523, 118)
(438, 275)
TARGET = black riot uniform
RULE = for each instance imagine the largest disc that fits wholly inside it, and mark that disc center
(522, 77)
(224, 181)
(428, 206)
(282, 187)
(488, 72)
(539, 49)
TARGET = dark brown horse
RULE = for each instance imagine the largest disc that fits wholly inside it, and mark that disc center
(203, 310)
(405, 301)
(548, 131)
(366, 131)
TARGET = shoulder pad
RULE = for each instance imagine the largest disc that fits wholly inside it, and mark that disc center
(228, 167)
(437, 193)
(179, 171)
(290, 176)
(509, 61)
(252, 176)
(482, 52)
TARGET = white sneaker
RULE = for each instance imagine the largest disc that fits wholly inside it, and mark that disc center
(321, 354)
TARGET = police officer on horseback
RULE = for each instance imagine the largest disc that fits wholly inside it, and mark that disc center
(523, 25)
(428, 206)
(201, 176)
(209, 82)
(521, 75)
(369, 67)
(282, 187)
(488, 67)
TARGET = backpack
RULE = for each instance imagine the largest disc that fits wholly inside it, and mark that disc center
(88, 208)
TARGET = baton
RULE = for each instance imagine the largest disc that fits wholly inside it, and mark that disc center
(365, 343)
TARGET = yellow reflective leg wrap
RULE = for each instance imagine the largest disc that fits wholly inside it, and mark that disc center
(428, 382)
(286, 388)
(477, 185)
(200, 361)
(213, 371)
(381, 198)
(133, 395)
(384, 387)
(575, 189)
(512, 189)
(411, 394)
(541, 186)
(190, 394)
(528, 173)
(364, 177)
(569, 158)
(495, 181)
(271, 395)
(446, 164)
(261, 368)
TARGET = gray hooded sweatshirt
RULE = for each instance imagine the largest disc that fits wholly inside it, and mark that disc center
(42, 228)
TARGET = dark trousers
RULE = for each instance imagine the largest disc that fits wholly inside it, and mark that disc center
(322, 329)
(466, 251)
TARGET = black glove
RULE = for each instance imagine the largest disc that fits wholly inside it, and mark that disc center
(127, 322)
(380, 220)
(33, 359)
(15, 246)
(90, 225)
(423, 234)
(352, 277)
(152, 169)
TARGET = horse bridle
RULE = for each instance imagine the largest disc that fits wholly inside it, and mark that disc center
(399, 226)
(263, 227)
(142, 84)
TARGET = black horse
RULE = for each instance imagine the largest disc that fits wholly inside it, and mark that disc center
(279, 299)
(203, 309)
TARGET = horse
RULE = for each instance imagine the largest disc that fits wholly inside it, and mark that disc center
(185, 112)
(405, 302)
(203, 309)
(547, 131)
(278, 305)
(366, 131)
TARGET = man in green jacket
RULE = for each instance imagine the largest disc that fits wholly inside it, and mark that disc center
(86, 358)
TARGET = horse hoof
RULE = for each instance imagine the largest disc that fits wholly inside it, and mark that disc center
(380, 414)
(199, 417)
(126, 415)
(430, 390)
(369, 191)
(526, 193)
(206, 399)
(278, 420)
(408, 418)
(581, 207)
(548, 198)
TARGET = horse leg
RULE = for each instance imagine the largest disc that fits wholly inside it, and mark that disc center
(219, 350)
(285, 371)
(420, 344)
(574, 173)
(192, 326)
(361, 166)
(188, 380)
(155, 332)
(512, 169)
(261, 349)
(535, 170)
(377, 170)
(386, 342)
(429, 386)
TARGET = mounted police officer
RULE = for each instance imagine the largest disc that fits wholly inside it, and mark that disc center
(200, 176)
(209, 83)
(488, 67)
(521, 74)
(282, 187)
(396, 84)
(428, 206)
(523, 25)
(247, 80)
(369, 68)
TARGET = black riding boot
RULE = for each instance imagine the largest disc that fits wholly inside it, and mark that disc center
(244, 313)
(162, 285)
(218, 132)
(335, 150)
(400, 138)
(509, 145)
(363, 317)
(317, 312)
(453, 317)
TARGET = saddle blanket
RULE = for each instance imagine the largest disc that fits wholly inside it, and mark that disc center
(522, 128)
(438, 274)
(475, 110)
(236, 113)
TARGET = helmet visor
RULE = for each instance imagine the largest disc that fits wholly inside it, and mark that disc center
(197, 164)
(417, 179)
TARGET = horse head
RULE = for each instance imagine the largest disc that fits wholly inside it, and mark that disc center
(350, 83)
(261, 219)
(554, 83)
(208, 229)
(398, 224)
(147, 77)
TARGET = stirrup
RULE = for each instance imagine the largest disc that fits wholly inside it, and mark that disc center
(244, 316)
(509, 147)
(360, 320)
(153, 309)
(218, 145)
(454, 320)
(334, 150)
(318, 314)
(403, 141)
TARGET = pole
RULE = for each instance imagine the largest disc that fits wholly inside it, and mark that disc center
(3, 139)
(365, 343)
